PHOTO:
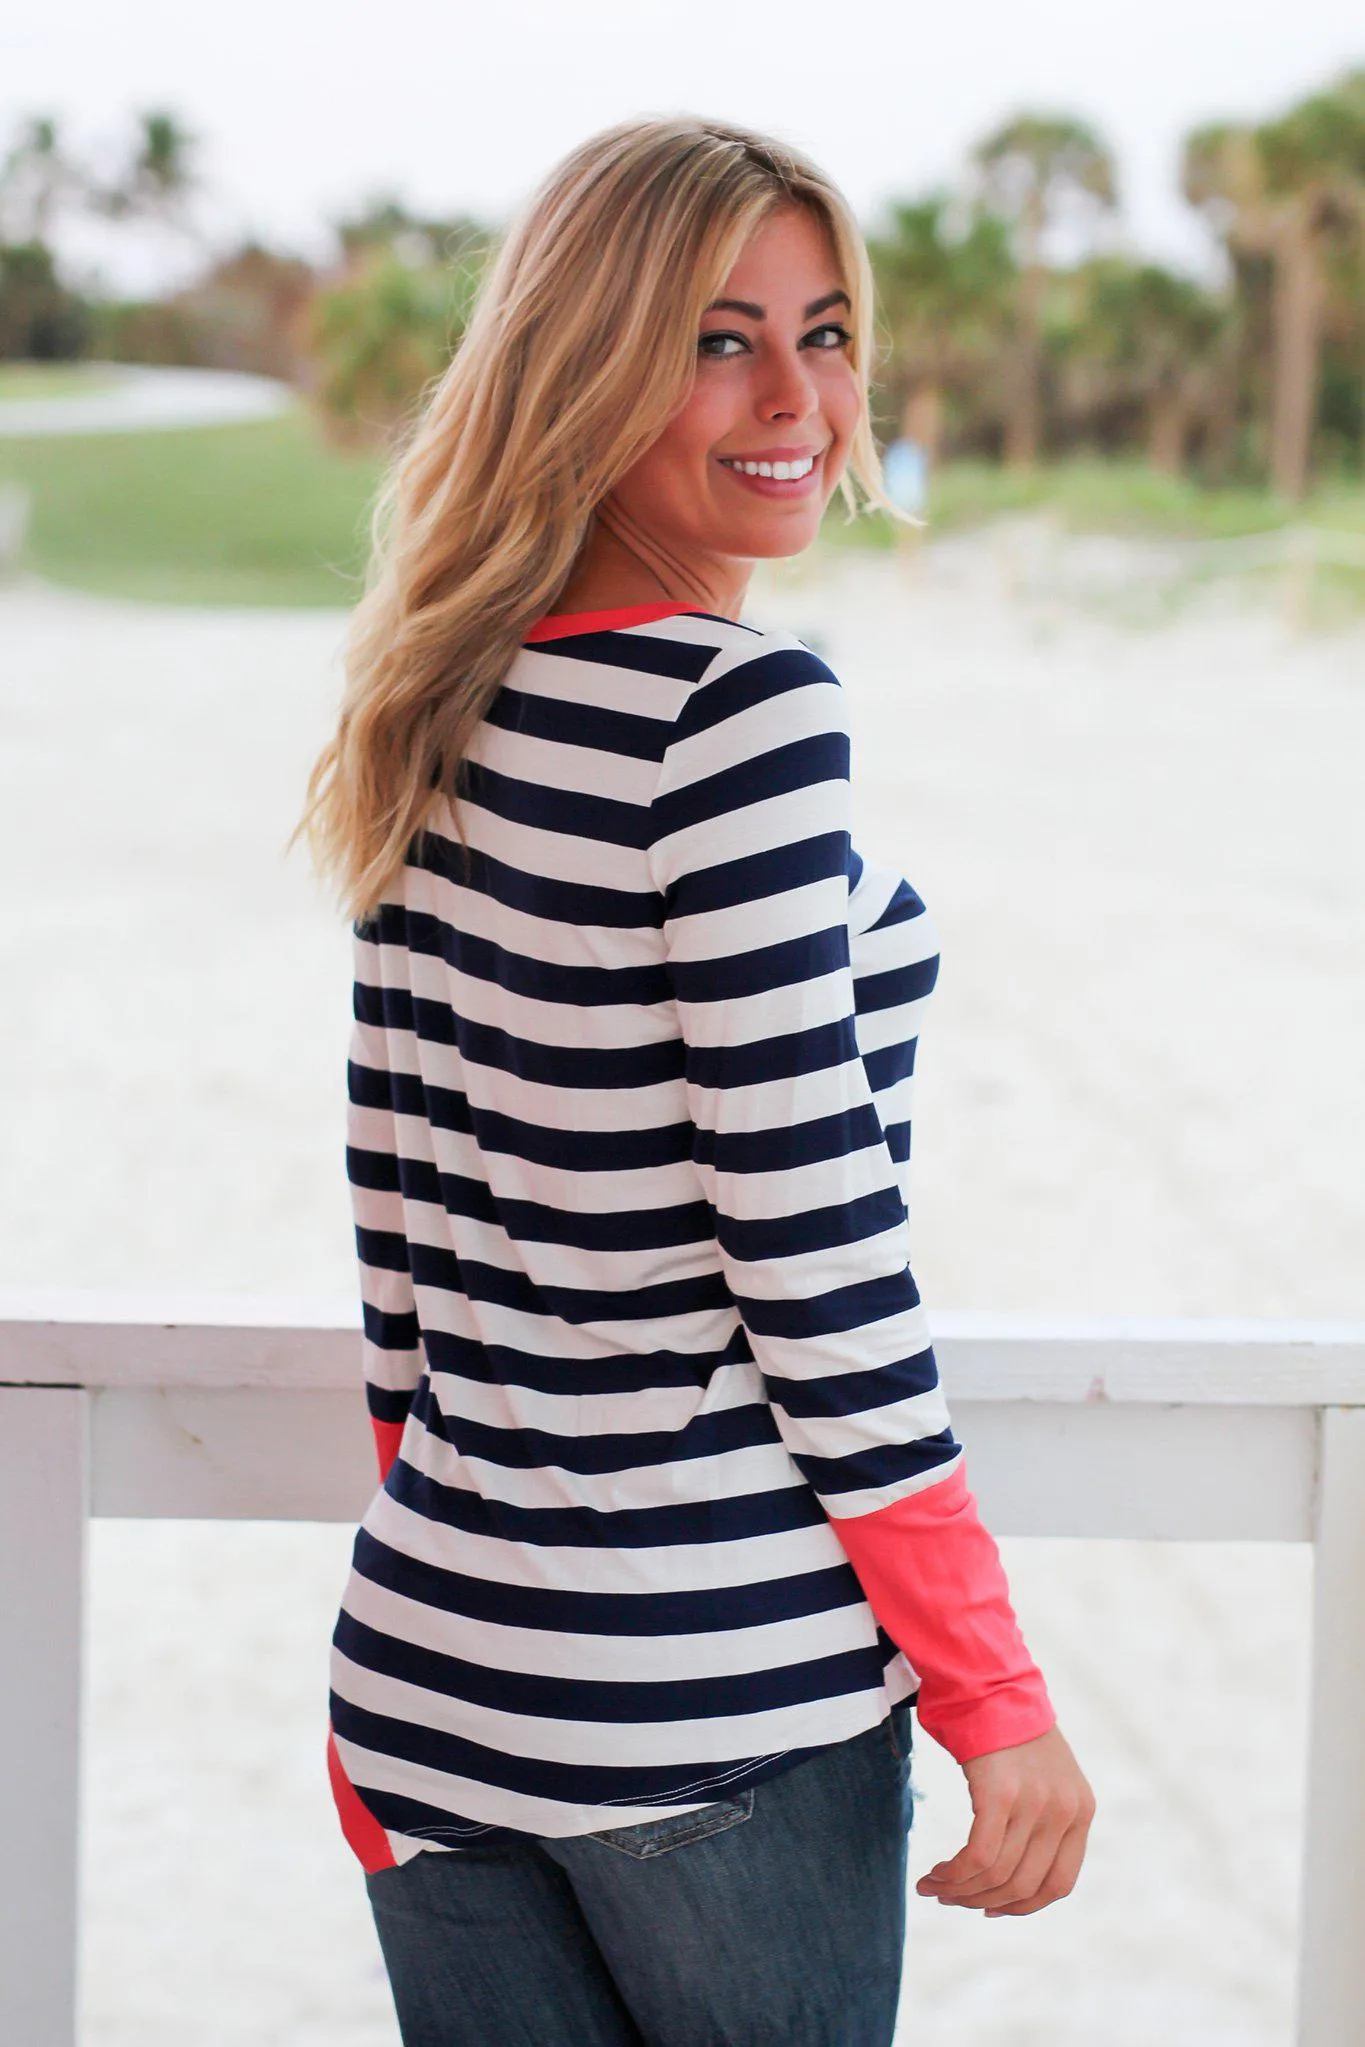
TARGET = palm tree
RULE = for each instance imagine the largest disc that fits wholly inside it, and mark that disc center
(1160, 336)
(159, 177)
(944, 296)
(36, 178)
(1032, 169)
(1292, 190)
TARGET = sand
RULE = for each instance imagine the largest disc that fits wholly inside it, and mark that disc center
(1139, 832)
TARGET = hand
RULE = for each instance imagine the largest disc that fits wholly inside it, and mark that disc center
(1031, 1813)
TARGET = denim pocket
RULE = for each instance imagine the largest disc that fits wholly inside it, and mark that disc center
(656, 1837)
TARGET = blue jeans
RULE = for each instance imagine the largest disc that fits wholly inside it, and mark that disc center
(776, 1916)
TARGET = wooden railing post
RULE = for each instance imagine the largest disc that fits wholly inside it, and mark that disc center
(1332, 1941)
(43, 1507)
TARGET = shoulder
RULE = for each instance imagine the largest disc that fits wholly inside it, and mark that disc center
(765, 718)
(763, 676)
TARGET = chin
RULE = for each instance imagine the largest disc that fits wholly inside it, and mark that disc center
(776, 539)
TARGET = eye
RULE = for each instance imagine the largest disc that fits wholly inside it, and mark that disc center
(830, 335)
(718, 344)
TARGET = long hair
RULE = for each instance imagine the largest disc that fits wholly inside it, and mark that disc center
(580, 349)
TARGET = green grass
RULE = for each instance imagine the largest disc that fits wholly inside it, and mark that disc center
(267, 513)
(22, 380)
(1086, 495)
(262, 513)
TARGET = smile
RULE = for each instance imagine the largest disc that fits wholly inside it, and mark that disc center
(782, 472)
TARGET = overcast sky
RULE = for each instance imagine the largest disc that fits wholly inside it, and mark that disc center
(304, 109)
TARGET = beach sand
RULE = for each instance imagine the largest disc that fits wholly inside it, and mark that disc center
(1140, 1091)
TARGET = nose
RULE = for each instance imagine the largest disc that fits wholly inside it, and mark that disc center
(787, 391)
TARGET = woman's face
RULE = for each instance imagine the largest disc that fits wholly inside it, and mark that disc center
(775, 387)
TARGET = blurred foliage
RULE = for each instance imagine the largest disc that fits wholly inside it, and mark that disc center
(382, 332)
(1013, 324)
(39, 318)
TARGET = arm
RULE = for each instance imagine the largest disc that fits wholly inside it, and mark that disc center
(392, 1356)
(750, 851)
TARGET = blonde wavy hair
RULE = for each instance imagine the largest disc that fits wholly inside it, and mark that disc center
(580, 349)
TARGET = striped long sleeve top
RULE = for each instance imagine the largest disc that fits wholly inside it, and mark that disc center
(670, 1499)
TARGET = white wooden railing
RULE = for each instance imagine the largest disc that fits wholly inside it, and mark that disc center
(244, 1409)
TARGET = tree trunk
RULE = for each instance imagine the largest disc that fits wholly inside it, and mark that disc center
(1297, 323)
(1024, 375)
(1222, 420)
(922, 418)
(1167, 421)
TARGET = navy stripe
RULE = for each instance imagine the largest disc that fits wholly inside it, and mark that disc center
(832, 1313)
(757, 682)
(893, 1063)
(896, 986)
(764, 1239)
(903, 905)
(722, 1066)
(823, 757)
(570, 811)
(856, 1392)
(761, 969)
(594, 1700)
(532, 1222)
(579, 1783)
(493, 1364)
(523, 1449)
(542, 980)
(642, 653)
(541, 895)
(574, 724)
(569, 1066)
(389, 1331)
(433, 1266)
(387, 1405)
(718, 1609)
(879, 1464)
(570, 1151)
(744, 1518)
(790, 1145)
(757, 875)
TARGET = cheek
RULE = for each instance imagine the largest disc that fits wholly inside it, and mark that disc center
(675, 472)
(843, 401)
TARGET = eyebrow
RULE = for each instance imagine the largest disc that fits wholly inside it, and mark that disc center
(753, 312)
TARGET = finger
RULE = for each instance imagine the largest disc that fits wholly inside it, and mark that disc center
(974, 1872)
(1028, 1845)
(1030, 1870)
(982, 1846)
(1060, 1880)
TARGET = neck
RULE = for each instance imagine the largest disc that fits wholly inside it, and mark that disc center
(622, 563)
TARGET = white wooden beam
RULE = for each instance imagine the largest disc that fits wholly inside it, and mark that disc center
(1332, 1939)
(1178, 1474)
(43, 1510)
(160, 1341)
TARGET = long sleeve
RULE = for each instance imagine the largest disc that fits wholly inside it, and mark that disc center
(391, 1345)
(750, 849)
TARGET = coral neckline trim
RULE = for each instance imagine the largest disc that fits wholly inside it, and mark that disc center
(560, 624)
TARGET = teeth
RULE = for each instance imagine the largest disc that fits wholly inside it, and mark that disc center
(781, 472)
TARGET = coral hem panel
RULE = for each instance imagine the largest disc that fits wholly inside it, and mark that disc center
(366, 1837)
(387, 1437)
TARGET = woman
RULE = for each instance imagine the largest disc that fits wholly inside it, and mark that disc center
(673, 1528)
